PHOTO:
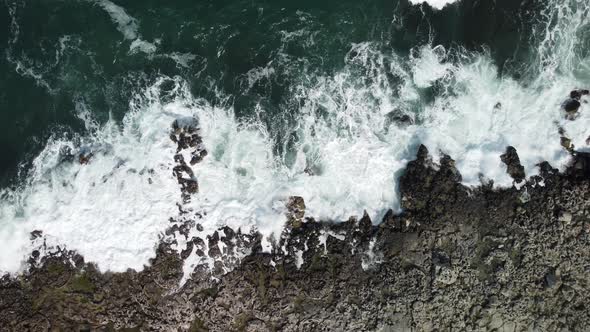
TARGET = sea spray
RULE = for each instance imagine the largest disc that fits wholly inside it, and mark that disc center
(340, 142)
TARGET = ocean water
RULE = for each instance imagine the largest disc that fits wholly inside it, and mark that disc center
(327, 100)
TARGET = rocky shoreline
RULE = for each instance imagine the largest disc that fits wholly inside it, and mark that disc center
(458, 258)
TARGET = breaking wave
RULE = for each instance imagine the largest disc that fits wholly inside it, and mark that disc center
(343, 149)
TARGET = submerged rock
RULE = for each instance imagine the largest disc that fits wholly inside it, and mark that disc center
(567, 143)
(85, 154)
(185, 124)
(398, 117)
(66, 154)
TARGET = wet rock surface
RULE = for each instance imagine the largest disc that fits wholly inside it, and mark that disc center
(574, 102)
(457, 258)
(186, 134)
(512, 161)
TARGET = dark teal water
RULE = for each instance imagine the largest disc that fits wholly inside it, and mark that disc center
(57, 54)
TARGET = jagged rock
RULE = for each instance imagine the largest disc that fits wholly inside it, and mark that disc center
(213, 245)
(547, 170)
(426, 190)
(567, 143)
(457, 258)
(186, 134)
(186, 178)
(577, 94)
(365, 225)
(580, 166)
(295, 211)
(36, 234)
(199, 154)
(296, 207)
(422, 154)
(392, 221)
(571, 107)
(514, 169)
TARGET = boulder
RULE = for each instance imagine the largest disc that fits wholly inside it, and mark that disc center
(571, 105)
(514, 169)
(578, 93)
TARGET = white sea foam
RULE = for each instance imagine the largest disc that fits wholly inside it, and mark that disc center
(438, 4)
(183, 60)
(109, 212)
(430, 66)
(484, 113)
(128, 26)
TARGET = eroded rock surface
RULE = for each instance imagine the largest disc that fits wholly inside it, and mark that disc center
(187, 136)
(512, 161)
(457, 259)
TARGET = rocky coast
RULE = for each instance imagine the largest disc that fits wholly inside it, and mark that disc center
(456, 259)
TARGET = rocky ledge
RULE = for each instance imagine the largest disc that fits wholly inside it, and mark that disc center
(458, 258)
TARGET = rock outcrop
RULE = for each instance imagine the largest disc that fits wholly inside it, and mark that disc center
(457, 258)
(187, 136)
(573, 103)
(514, 169)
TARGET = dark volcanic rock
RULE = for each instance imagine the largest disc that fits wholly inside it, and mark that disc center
(186, 134)
(571, 107)
(511, 159)
(457, 258)
(578, 93)
(580, 167)
(426, 190)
